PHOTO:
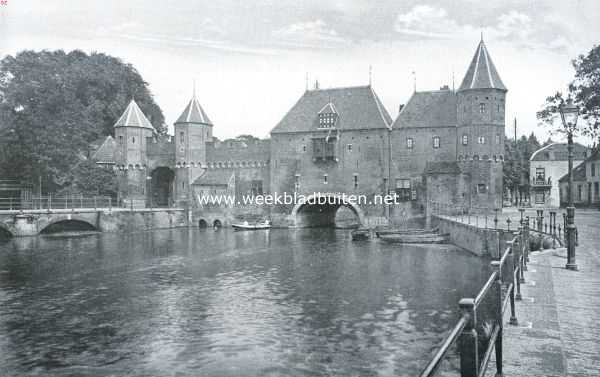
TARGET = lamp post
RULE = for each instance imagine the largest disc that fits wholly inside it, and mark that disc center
(568, 115)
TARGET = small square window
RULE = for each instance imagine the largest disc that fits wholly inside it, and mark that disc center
(481, 140)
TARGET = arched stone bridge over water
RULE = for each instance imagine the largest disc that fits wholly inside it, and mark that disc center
(33, 222)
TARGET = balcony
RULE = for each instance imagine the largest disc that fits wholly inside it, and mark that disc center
(540, 182)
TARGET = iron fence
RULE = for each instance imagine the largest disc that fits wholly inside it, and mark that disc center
(479, 331)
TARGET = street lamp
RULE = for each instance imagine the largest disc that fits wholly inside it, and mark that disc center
(568, 114)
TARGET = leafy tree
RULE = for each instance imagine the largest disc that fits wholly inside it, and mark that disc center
(88, 179)
(53, 104)
(584, 91)
(516, 166)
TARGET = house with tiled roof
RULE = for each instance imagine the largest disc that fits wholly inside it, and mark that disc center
(546, 166)
(586, 183)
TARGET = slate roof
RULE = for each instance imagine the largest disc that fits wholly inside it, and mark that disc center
(106, 151)
(578, 174)
(442, 167)
(559, 152)
(216, 177)
(357, 108)
(328, 109)
(482, 73)
(194, 113)
(428, 109)
(134, 117)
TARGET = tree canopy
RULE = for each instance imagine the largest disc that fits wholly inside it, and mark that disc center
(516, 166)
(584, 91)
(53, 104)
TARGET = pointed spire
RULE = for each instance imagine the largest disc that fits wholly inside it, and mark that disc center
(133, 117)
(193, 112)
(482, 73)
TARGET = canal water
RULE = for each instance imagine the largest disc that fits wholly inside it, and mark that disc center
(182, 302)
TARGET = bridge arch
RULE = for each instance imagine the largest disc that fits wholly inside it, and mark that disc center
(65, 225)
(319, 210)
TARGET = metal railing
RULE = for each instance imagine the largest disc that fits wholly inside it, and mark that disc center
(475, 338)
(55, 202)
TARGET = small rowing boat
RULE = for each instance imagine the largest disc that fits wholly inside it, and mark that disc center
(416, 238)
(256, 226)
(387, 231)
(360, 234)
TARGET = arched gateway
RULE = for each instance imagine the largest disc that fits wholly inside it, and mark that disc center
(319, 210)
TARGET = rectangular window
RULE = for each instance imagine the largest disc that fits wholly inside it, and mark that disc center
(410, 143)
(436, 142)
(465, 139)
(349, 147)
(497, 139)
(325, 179)
(540, 176)
(596, 191)
(403, 189)
(323, 150)
(482, 108)
(355, 181)
(481, 140)
(181, 137)
(120, 139)
(481, 188)
(593, 170)
(297, 182)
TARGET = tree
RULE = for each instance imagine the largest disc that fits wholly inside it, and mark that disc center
(88, 179)
(516, 166)
(584, 91)
(53, 104)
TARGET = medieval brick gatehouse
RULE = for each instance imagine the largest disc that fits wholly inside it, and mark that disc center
(444, 146)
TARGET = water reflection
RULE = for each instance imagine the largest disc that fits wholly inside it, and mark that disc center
(184, 302)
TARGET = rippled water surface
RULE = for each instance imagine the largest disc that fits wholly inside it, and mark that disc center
(202, 303)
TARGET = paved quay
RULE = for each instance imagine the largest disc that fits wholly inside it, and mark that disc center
(559, 316)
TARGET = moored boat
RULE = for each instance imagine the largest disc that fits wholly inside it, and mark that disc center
(422, 238)
(387, 231)
(256, 226)
(360, 234)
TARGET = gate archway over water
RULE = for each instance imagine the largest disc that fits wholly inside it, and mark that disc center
(161, 186)
(319, 210)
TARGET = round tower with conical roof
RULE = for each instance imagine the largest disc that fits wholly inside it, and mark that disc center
(131, 132)
(481, 100)
(193, 129)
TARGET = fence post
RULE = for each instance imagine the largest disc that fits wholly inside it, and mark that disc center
(109, 204)
(510, 263)
(517, 263)
(469, 353)
(497, 302)
(508, 224)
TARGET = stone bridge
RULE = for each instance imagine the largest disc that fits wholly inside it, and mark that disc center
(34, 222)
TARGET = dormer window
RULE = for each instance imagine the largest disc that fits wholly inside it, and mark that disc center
(327, 120)
(327, 116)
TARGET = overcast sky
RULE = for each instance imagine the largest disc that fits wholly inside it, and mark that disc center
(250, 58)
